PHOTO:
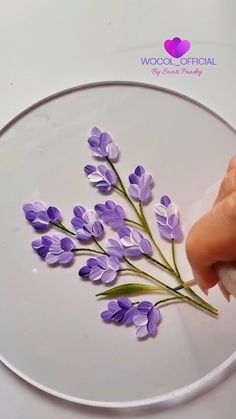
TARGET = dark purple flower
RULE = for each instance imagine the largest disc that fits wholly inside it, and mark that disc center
(102, 268)
(86, 224)
(120, 311)
(54, 249)
(40, 216)
(134, 243)
(115, 248)
(141, 184)
(101, 176)
(111, 213)
(168, 219)
(146, 319)
(101, 144)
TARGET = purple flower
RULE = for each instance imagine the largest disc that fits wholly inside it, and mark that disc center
(120, 311)
(101, 176)
(102, 268)
(168, 220)
(146, 319)
(40, 216)
(115, 248)
(111, 213)
(134, 243)
(86, 224)
(101, 144)
(54, 249)
(141, 184)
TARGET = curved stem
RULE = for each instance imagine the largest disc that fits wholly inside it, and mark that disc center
(86, 250)
(61, 227)
(134, 223)
(167, 300)
(99, 246)
(174, 258)
(161, 265)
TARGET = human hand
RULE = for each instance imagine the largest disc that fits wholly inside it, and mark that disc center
(213, 238)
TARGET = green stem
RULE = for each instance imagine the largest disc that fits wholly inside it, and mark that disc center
(61, 227)
(174, 258)
(176, 293)
(126, 270)
(86, 250)
(99, 246)
(134, 223)
(166, 300)
(161, 265)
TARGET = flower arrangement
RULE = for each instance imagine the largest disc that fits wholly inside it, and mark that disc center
(118, 255)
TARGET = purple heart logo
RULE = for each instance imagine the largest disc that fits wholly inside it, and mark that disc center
(176, 48)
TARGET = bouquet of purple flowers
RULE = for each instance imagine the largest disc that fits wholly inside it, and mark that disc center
(117, 255)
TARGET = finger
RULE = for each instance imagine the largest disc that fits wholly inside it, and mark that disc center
(212, 239)
(228, 184)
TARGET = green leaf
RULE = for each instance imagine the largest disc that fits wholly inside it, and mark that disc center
(129, 289)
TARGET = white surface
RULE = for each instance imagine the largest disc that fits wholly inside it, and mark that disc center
(47, 47)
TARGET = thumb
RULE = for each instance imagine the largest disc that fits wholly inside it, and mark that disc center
(213, 239)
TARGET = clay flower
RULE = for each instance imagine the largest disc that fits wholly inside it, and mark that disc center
(120, 311)
(115, 248)
(168, 220)
(134, 243)
(102, 268)
(86, 224)
(141, 184)
(101, 144)
(103, 178)
(111, 213)
(54, 249)
(40, 216)
(146, 319)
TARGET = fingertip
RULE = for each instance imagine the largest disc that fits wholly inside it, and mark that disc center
(224, 291)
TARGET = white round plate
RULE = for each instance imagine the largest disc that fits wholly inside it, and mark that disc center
(50, 326)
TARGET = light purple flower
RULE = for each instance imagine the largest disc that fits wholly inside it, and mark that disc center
(111, 213)
(134, 243)
(168, 220)
(103, 178)
(86, 224)
(141, 184)
(146, 319)
(120, 311)
(40, 216)
(54, 249)
(102, 268)
(115, 248)
(101, 144)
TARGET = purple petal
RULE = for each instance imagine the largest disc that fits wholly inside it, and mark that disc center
(177, 233)
(145, 306)
(124, 232)
(77, 222)
(112, 151)
(105, 139)
(94, 141)
(173, 221)
(111, 177)
(133, 179)
(152, 328)
(84, 271)
(139, 171)
(79, 210)
(36, 244)
(67, 244)
(133, 252)
(110, 204)
(124, 303)
(141, 332)
(129, 315)
(54, 214)
(30, 215)
(96, 131)
(115, 249)
(89, 169)
(134, 191)
(108, 276)
(38, 207)
(96, 273)
(165, 200)
(113, 306)
(91, 262)
(99, 208)
(103, 186)
(47, 240)
(165, 231)
(118, 317)
(113, 263)
(102, 261)
(154, 315)
(42, 216)
(83, 235)
(161, 220)
(65, 257)
(145, 194)
(106, 315)
(42, 251)
(97, 229)
(145, 246)
(51, 258)
(102, 169)
(140, 319)
(28, 207)
(39, 226)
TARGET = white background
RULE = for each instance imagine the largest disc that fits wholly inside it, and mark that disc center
(50, 45)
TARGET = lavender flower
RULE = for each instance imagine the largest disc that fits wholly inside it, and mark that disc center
(168, 220)
(40, 216)
(146, 319)
(141, 183)
(103, 178)
(86, 224)
(102, 268)
(54, 249)
(101, 144)
(134, 243)
(115, 248)
(120, 311)
(111, 213)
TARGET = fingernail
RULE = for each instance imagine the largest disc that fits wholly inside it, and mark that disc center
(205, 290)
